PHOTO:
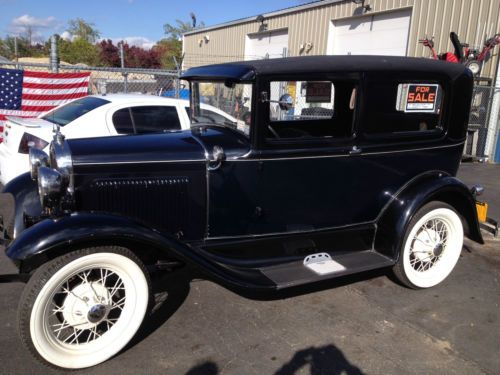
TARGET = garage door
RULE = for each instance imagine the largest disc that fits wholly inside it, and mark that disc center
(383, 34)
(266, 45)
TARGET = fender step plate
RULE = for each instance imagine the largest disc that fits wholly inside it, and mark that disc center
(322, 264)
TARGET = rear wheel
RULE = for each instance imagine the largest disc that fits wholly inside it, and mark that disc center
(82, 308)
(431, 247)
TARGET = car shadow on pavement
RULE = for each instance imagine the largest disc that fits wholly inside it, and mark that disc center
(169, 291)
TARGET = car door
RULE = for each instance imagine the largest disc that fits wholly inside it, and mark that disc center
(308, 172)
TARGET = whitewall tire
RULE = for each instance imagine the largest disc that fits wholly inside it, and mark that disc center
(82, 308)
(432, 246)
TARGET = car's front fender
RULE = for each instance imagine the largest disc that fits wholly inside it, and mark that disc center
(51, 238)
(26, 201)
(434, 186)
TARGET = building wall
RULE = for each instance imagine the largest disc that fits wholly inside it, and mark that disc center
(429, 17)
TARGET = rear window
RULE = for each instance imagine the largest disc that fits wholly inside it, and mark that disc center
(146, 119)
(394, 108)
(71, 111)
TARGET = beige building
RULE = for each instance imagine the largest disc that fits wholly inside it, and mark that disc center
(339, 27)
(391, 27)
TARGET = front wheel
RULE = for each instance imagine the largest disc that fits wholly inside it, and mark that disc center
(431, 248)
(82, 308)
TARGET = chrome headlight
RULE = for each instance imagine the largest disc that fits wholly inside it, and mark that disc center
(37, 158)
(60, 159)
(51, 186)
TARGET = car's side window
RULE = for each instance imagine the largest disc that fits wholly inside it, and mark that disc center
(154, 119)
(146, 119)
(399, 107)
(310, 109)
(122, 121)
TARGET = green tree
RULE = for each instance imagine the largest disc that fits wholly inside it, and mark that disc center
(7, 47)
(172, 46)
(174, 32)
(79, 51)
(81, 29)
(168, 49)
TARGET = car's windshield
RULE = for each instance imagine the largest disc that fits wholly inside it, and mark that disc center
(71, 111)
(221, 103)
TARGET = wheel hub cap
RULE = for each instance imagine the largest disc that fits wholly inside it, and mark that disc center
(86, 305)
(96, 313)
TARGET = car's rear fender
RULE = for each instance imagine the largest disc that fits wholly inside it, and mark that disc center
(51, 238)
(431, 186)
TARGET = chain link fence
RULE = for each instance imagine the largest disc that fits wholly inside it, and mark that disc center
(166, 83)
(477, 132)
(105, 80)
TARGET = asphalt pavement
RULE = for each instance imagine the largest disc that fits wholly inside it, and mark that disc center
(362, 324)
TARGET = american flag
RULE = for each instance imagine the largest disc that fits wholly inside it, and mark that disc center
(29, 94)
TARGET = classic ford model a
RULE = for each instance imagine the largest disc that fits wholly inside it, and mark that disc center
(342, 165)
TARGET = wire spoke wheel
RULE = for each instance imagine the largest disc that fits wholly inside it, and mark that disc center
(432, 246)
(84, 307)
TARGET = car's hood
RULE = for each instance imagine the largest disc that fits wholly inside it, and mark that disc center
(187, 145)
(174, 146)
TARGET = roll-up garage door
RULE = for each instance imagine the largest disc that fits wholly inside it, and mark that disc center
(378, 34)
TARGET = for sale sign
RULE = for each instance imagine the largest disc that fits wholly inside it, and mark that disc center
(417, 97)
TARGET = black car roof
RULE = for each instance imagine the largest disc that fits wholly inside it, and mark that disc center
(248, 70)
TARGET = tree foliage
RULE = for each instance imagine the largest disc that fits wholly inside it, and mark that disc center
(109, 53)
(168, 49)
(175, 31)
(135, 57)
(24, 49)
(79, 51)
(81, 29)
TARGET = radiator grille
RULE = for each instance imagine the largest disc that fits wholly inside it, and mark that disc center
(160, 202)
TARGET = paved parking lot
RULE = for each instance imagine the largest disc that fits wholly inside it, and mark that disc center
(361, 324)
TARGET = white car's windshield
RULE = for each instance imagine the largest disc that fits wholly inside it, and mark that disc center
(71, 111)
(230, 104)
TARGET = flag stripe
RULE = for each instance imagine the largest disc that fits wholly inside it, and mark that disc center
(37, 108)
(4, 117)
(54, 86)
(51, 76)
(43, 103)
(77, 95)
(68, 81)
(54, 92)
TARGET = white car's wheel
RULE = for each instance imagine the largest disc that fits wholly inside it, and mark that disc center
(432, 246)
(82, 308)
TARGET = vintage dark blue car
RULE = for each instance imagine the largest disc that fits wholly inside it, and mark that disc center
(337, 165)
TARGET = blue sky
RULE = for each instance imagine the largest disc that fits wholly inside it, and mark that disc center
(140, 22)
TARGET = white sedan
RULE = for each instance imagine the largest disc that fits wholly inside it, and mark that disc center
(95, 116)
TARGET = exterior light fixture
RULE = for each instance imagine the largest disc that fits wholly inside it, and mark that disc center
(366, 8)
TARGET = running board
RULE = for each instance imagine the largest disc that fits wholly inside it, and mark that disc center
(322, 266)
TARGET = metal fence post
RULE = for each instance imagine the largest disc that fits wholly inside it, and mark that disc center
(54, 56)
(122, 63)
